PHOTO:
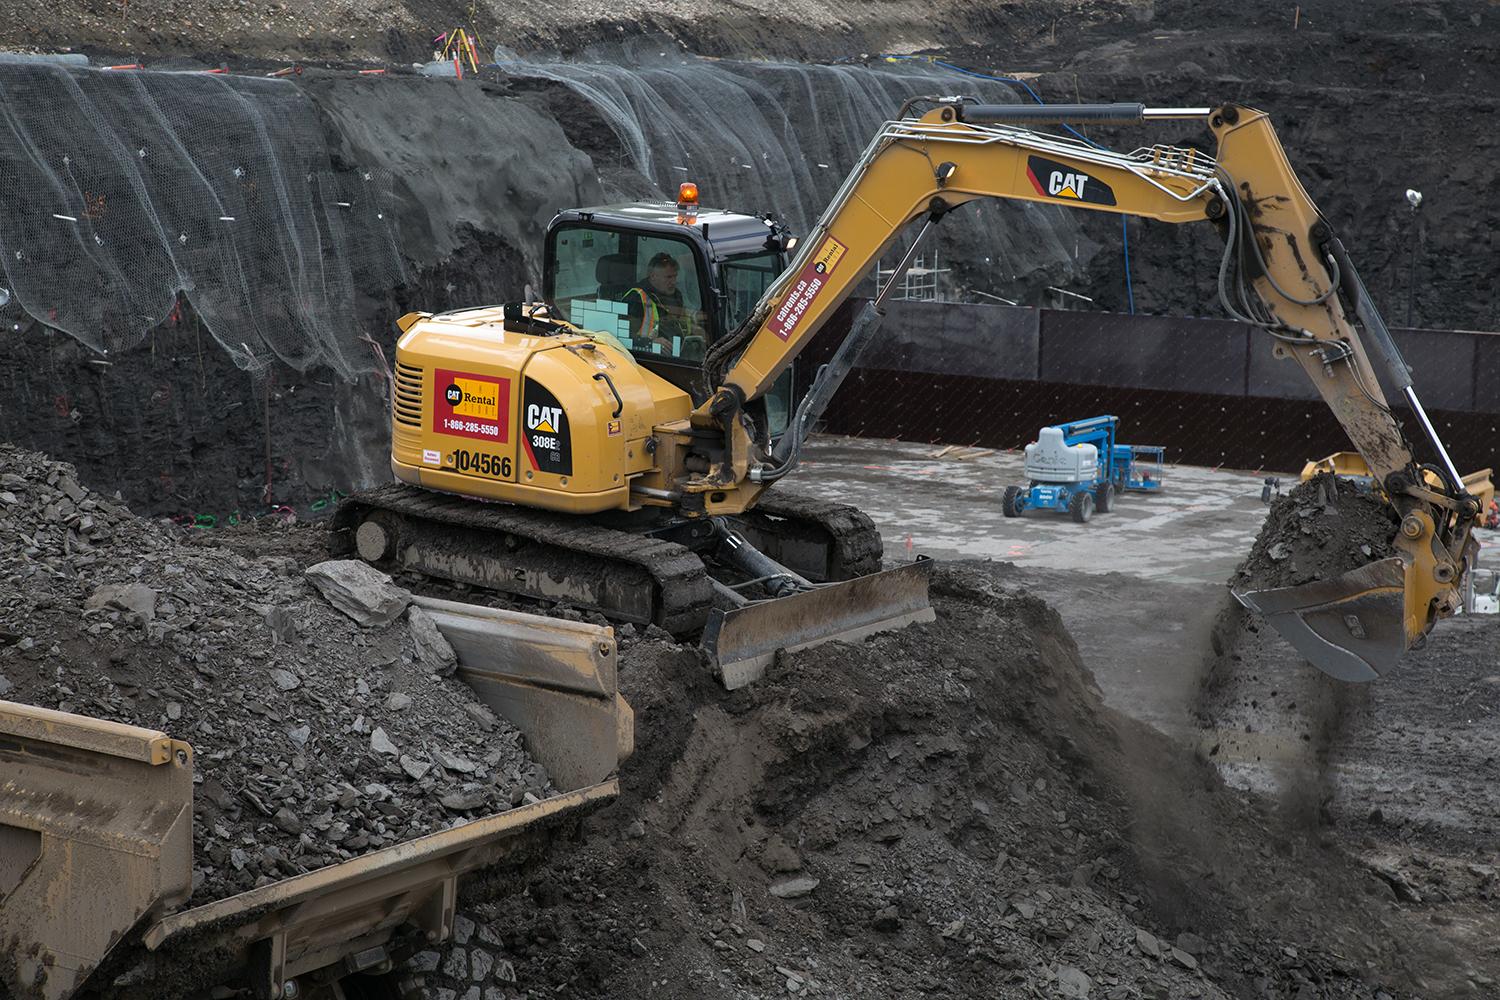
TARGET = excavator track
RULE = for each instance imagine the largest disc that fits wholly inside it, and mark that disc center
(823, 540)
(537, 554)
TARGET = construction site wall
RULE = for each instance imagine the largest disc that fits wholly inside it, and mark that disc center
(199, 305)
(1207, 388)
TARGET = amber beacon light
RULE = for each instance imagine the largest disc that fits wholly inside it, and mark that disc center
(687, 203)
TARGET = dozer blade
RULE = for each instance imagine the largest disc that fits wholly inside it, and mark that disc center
(744, 641)
(1351, 627)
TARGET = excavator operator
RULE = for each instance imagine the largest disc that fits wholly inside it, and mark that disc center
(658, 314)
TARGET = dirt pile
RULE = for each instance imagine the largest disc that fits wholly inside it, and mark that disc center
(947, 810)
(316, 739)
(1320, 529)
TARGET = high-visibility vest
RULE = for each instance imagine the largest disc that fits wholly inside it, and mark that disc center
(650, 313)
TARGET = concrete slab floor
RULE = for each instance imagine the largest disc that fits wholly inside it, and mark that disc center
(1195, 531)
(1138, 588)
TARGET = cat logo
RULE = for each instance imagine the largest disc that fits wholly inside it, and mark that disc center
(543, 418)
(1066, 182)
(547, 443)
(1067, 185)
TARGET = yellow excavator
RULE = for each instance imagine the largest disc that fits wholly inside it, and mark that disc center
(633, 447)
(631, 440)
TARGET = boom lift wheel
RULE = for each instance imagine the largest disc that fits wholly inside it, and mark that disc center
(1081, 506)
(1104, 497)
(1010, 503)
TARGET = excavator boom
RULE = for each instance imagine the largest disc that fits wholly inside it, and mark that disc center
(1282, 271)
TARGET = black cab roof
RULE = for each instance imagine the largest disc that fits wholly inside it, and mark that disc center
(724, 234)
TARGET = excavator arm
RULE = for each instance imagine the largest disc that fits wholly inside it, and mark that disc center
(1282, 271)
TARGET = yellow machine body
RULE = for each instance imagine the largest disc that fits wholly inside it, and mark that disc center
(1480, 484)
(562, 423)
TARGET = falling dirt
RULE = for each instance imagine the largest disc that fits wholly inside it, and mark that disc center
(1322, 528)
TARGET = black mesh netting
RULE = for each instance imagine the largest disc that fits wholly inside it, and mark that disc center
(123, 189)
(781, 137)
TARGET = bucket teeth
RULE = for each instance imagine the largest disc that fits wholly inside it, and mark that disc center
(1351, 627)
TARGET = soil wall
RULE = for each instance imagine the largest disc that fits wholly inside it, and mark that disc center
(1207, 389)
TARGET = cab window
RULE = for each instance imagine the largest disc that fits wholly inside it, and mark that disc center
(644, 290)
(745, 281)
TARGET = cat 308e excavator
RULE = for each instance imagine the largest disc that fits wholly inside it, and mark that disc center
(632, 460)
(634, 469)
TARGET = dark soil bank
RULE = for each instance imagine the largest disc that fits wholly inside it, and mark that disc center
(947, 810)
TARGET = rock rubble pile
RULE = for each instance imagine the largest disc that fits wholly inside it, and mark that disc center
(319, 733)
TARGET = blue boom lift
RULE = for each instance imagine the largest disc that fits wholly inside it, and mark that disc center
(1078, 467)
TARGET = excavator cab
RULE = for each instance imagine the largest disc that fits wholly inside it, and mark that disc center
(665, 284)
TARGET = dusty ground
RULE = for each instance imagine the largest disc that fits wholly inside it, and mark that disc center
(945, 502)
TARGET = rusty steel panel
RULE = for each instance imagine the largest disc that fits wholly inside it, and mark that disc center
(98, 822)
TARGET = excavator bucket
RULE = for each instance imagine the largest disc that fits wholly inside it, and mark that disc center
(1352, 627)
(742, 642)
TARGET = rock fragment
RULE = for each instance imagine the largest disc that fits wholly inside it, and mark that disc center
(133, 597)
(466, 799)
(285, 680)
(794, 888)
(359, 590)
(381, 743)
(283, 627)
(1073, 982)
(433, 649)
